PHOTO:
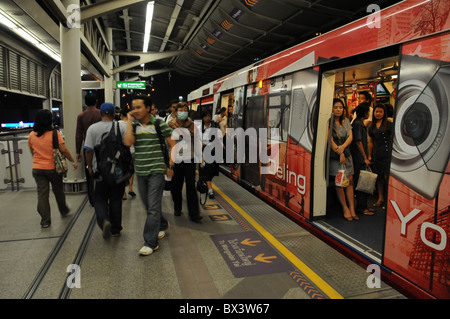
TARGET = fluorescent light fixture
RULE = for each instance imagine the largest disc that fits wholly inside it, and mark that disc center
(27, 35)
(148, 25)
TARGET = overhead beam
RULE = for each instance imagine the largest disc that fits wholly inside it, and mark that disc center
(145, 58)
(147, 73)
(106, 7)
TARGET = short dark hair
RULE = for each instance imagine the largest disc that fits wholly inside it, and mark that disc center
(367, 95)
(362, 109)
(145, 98)
(90, 99)
(180, 105)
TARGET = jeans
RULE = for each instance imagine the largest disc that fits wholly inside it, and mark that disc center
(181, 171)
(108, 204)
(43, 178)
(151, 189)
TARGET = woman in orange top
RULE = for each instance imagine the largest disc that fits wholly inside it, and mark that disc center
(40, 142)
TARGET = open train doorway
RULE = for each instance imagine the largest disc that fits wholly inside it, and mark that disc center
(356, 101)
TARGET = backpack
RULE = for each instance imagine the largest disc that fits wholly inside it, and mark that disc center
(114, 160)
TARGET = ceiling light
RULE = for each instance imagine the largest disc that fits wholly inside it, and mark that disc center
(27, 35)
(148, 24)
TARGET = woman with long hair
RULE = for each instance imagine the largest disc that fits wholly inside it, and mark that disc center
(380, 137)
(40, 142)
(340, 156)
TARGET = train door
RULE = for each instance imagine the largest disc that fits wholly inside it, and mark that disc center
(375, 82)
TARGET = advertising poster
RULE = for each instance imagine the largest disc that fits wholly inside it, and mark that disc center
(418, 210)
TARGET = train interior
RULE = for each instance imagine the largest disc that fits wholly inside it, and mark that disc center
(367, 233)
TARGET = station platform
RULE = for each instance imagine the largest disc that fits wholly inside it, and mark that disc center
(242, 249)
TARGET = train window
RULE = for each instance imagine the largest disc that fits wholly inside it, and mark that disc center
(345, 89)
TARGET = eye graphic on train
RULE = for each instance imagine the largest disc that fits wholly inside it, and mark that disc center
(420, 146)
(304, 108)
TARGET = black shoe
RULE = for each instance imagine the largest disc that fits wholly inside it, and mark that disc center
(106, 231)
(177, 213)
(132, 194)
(46, 225)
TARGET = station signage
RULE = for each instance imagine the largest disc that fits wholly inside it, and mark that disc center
(126, 85)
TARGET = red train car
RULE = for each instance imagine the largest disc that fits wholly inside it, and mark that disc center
(401, 56)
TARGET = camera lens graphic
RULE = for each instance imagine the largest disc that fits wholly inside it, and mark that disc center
(416, 126)
(417, 123)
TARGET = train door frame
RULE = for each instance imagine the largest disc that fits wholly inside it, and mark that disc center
(326, 87)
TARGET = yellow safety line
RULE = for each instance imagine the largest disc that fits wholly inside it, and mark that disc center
(318, 281)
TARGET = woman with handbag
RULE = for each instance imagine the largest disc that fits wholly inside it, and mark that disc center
(380, 140)
(360, 155)
(40, 142)
(341, 159)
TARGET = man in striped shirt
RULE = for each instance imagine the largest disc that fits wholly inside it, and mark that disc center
(150, 167)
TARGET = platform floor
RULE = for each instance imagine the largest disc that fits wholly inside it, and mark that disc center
(243, 249)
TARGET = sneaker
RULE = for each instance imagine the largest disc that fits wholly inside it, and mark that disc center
(211, 194)
(46, 225)
(145, 250)
(106, 229)
(161, 234)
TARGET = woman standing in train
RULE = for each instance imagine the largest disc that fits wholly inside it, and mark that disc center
(340, 156)
(380, 136)
(40, 142)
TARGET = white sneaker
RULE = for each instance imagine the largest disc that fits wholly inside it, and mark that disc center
(145, 250)
(161, 234)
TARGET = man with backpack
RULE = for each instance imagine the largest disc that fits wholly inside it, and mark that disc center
(110, 163)
(148, 135)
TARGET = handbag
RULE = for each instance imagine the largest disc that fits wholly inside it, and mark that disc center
(59, 158)
(341, 179)
(367, 181)
(202, 188)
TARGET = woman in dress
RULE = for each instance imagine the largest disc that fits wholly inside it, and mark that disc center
(40, 142)
(380, 137)
(340, 155)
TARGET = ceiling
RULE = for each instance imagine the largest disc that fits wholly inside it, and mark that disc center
(212, 37)
(221, 36)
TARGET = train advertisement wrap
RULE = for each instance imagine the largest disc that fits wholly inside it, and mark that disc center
(418, 213)
(292, 91)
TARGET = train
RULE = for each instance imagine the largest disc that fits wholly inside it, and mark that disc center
(401, 55)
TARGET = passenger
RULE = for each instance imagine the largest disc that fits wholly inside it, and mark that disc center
(40, 142)
(209, 170)
(364, 96)
(360, 155)
(230, 116)
(172, 111)
(340, 154)
(107, 196)
(185, 165)
(380, 137)
(85, 119)
(150, 168)
(221, 119)
(124, 119)
(154, 111)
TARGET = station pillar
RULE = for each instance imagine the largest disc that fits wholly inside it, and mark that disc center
(70, 40)
(109, 78)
